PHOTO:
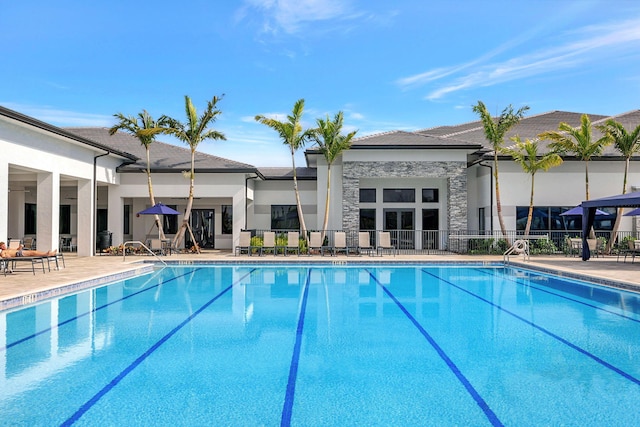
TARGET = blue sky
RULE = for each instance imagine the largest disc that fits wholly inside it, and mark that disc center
(407, 64)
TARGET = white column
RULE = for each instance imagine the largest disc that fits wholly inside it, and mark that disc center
(48, 216)
(86, 218)
(4, 199)
(238, 217)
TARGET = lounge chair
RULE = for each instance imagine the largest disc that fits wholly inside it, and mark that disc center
(315, 243)
(10, 264)
(364, 243)
(339, 243)
(293, 243)
(268, 242)
(244, 243)
(384, 243)
(156, 246)
(633, 249)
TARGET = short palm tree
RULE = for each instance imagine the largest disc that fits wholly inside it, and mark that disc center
(628, 144)
(495, 130)
(144, 128)
(332, 143)
(578, 141)
(525, 153)
(294, 137)
(192, 132)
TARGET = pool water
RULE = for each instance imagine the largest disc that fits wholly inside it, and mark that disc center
(321, 345)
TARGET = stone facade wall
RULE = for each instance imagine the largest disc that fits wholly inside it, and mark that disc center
(454, 172)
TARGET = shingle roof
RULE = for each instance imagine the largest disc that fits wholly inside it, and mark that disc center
(287, 173)
(163, 157)
(402, 139)
(531, 126)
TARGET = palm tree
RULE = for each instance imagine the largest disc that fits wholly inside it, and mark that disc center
(578, 141)
(293, 136)
(627, 143)
(192, 132)
(495, 131)
(332, 143)
(144, 128)
(525, 153)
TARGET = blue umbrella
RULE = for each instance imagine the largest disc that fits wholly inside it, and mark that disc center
(578, 211)
(159, 209)
(634, 212)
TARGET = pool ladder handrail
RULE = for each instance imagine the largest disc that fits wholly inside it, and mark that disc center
(519, 247)
(124, 250)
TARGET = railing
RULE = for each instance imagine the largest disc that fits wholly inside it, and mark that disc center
(475, 242)
(131, 243)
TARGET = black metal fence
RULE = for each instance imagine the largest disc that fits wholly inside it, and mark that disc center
(465, 241)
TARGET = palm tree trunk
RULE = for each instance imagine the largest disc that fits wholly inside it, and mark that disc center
(152, 198)
(498, 204)
(325, 223)
(616, 225)
(187, 214)
(530, 216)
(592, 233)
(303, 226)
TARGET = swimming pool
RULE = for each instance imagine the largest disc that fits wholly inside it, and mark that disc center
(325, 345)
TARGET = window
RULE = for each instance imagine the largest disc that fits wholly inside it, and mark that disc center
(227, 219)
(482, 226)
(30, 218)
(284, 217)
(170, 222)
(367, 219)
(367, 195)
(430, 195)
(126, 220)
(399, 195)
(549, 218)
(65, 219)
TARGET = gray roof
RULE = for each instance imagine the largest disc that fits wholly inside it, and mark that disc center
(163, 157)
(531, 126)
(402, 139)
(302, 174)
(62, 132)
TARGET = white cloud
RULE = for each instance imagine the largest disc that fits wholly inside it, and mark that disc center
(590, 44)
(290, 15)
(62, 118)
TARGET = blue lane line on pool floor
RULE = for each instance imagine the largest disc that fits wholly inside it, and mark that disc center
(493, 418)
(32, 336)
(511, 279)
(84, 408)
(543, 330)
(295, 358)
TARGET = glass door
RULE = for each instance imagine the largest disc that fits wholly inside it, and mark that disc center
(430, 224)
(402, 225)
(202, 224)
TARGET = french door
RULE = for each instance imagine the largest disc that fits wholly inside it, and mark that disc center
(401, 223)
(202, 224)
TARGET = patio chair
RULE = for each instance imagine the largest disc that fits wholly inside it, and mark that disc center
(594, 248)
(244, 243)
(293, 243)
(364, 243)
(384, 243)
(633, 249)
(14, 244)
(339, 244)
(315, 243)
(268, 242)
(29, 243)
(156, 246)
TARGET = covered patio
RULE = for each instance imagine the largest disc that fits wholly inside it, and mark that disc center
(589, 208)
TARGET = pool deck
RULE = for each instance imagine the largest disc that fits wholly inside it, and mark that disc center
(23, 287)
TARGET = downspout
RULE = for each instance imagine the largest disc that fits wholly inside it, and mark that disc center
(491, 196)
(94, 225)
